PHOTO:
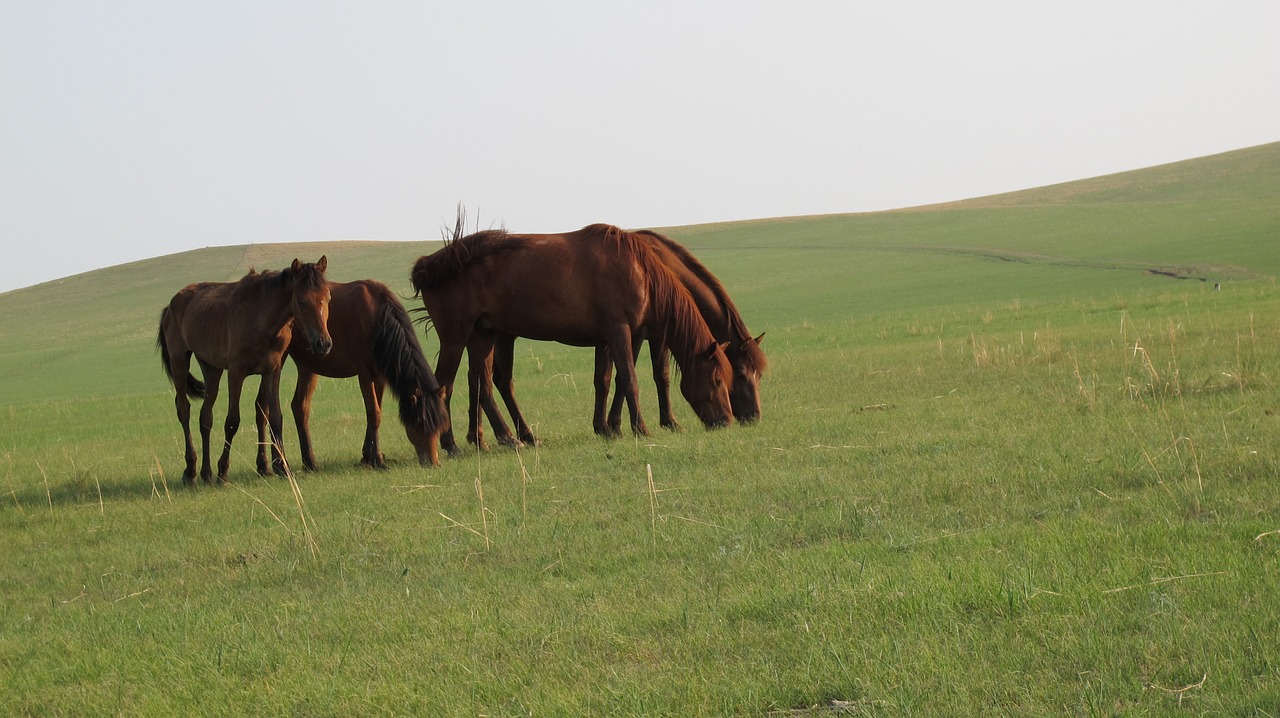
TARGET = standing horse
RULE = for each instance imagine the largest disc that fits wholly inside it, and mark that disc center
(241, 328)
(373, 340)
(598, 285)
(722, 318)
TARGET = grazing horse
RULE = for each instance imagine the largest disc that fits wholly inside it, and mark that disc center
(373, 340)
(598, 285)
(724, 321)
(241, 328)
(722, 318)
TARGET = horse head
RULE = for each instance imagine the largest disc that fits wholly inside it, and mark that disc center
(310, 303)
(748, 364)
(706, 387)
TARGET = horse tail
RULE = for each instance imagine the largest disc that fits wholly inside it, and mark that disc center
(195, 387)
(400, 360)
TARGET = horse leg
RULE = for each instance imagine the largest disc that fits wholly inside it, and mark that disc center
(262, 421)
(504, 349)
(267, 415)
(615, 409)
(301, 406)
(660, 357)
(212, 382)
(480, 355)
(235, 383)
(371, 392)
(278, 463)
(624, 358)
(603, 377)
(181, 361)
(446, 371)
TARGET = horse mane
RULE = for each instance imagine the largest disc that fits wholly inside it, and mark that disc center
(750, 350)
(308, 278)
(444, 264)
(401, 361)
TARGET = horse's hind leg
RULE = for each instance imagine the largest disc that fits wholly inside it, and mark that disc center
(212, 382)
(604, 426)
(182, 403)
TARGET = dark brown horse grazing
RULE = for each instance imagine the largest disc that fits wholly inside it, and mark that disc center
(241, 328)
(722, 318)
(599, 285)
(375, 341)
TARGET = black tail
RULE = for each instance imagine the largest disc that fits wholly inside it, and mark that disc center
(400, 360)
(195, 387)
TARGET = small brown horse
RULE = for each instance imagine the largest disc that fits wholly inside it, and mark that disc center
(241, 328)
(722, 318)
(375, 341)
(598, 285)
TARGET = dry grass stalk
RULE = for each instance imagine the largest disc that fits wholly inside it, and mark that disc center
(48, 495)
(1180, 692)
(653, 506)
(1163, 579)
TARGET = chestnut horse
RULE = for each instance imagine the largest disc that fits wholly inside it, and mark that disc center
(722, 318)
(724, 321)
(241, 328)
(373, 340)
(600, 285)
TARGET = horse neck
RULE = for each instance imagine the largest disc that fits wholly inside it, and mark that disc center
(272, 301)
(677, 318)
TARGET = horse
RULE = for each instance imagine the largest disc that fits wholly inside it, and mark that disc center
(241, 328)
(598, 285)
(375, 341)
(722, 318)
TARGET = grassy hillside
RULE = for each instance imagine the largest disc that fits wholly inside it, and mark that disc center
(1017, 456)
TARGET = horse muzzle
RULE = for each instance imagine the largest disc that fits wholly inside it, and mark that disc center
(321, 346)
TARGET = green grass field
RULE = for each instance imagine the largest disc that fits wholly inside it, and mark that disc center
(1018, 457)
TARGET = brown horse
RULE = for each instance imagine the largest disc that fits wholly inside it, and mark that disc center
(724, 321)
(598, 285)
(241, 328)
(373, 340)
(722, 318)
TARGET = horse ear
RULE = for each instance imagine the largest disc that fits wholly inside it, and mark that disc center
(757, 339)
(296, 265)
(323, 264)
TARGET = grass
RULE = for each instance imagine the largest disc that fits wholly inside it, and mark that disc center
(1003, 469)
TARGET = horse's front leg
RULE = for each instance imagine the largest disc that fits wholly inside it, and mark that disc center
(480, 353)
(301, 406)
(504, 349)
(269, 419)
(278, 462)
(446, 371)
(660, 357)
(212, 383)
(624, 359)
(235, 382)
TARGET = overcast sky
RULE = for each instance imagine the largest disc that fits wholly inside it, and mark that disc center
(130, 130)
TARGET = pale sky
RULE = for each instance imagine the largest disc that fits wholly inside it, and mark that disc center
(131, 130)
